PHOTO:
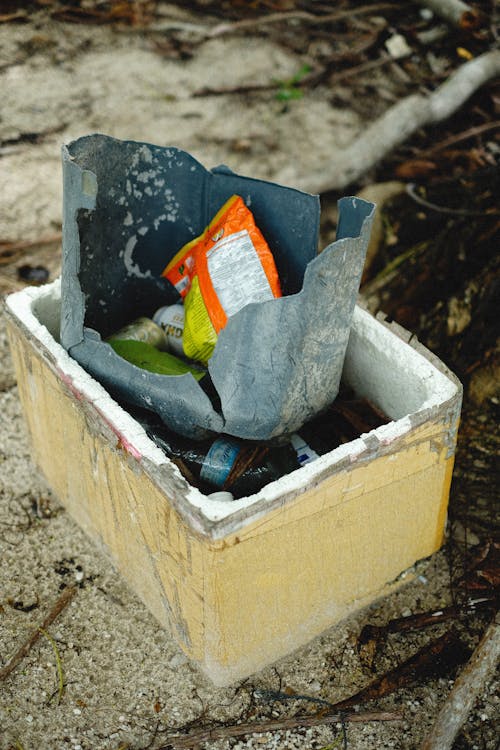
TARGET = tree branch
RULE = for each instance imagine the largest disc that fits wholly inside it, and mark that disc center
(400, 122)
(236, 730)
(465, 691)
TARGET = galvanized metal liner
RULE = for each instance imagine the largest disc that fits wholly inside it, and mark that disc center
(128, 208)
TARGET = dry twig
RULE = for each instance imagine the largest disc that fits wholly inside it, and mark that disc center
(423, 619)
(299, 15)
(411, 191)
(401, 121)
(16, 16)
(56, 610)
(362, 68)
(254, 727)
(435, 658)
(464, 136)
(10, 250)
(465, 691)
(372, 637)
(223, 29)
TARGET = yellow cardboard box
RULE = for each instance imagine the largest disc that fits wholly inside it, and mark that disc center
(241, 584)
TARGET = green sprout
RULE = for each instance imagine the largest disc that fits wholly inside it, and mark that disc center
(60, 674)
(290, 88)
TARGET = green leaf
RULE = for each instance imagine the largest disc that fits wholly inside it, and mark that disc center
(304, 70)
(289, 89)
(149, 358)
(289, 94)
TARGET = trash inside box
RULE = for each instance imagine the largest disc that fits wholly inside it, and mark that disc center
(132, 209)
(241, 584)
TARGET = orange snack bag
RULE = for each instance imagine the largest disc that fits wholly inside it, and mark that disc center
(219, 272)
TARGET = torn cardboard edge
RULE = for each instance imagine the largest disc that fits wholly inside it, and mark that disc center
(377, 355)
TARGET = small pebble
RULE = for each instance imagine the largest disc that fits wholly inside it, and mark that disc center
(397, 46)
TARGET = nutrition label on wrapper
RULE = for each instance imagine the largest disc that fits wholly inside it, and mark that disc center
(235, 257)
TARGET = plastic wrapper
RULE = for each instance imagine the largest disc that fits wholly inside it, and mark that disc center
(218, 273)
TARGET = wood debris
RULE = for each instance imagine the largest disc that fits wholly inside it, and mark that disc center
(258, 727)
(62, 602)
(436, 658)
(373, 637)
(402, 120)
(466, 689)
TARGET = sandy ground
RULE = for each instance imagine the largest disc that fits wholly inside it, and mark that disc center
(116, 84)
(126, 679)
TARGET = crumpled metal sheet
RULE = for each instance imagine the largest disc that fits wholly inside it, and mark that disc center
(128, 208)
(287, 354)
